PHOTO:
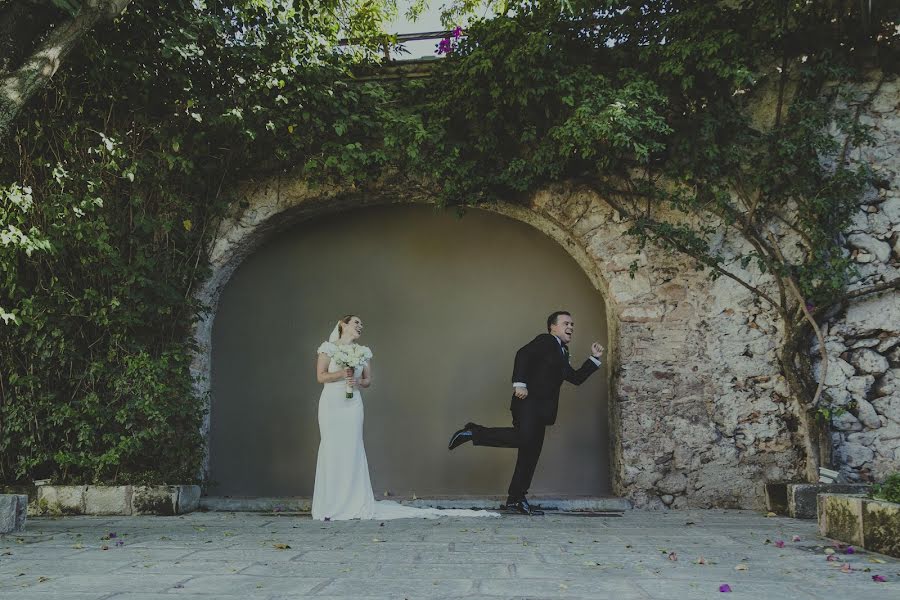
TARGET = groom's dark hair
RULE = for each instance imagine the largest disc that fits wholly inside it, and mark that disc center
(551, 320)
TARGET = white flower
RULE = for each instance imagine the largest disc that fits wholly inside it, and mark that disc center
(351, 355)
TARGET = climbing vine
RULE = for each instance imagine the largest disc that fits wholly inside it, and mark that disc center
(705, 125)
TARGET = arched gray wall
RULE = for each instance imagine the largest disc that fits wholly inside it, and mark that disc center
(446, 302)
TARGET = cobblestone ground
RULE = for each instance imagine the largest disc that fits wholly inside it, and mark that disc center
(677, 554)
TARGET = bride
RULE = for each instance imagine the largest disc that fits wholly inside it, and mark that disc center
(343, 489)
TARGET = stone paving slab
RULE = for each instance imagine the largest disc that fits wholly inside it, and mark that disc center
(233, 556)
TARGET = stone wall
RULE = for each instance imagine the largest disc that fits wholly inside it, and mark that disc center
(699, 413)
(696, 415)
(863, 343)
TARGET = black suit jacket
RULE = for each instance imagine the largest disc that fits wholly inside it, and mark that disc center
(541, 366)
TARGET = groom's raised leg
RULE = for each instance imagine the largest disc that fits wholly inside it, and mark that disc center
(496, 437)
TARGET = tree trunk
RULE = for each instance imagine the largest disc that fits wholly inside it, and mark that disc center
(22, 24)
(36, 70)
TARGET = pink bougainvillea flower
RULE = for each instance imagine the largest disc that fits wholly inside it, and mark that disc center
(444, 46)
(879, 578)
(796, 538)
(724, 588)
(457, 32)
(779, 543)
(850, 550)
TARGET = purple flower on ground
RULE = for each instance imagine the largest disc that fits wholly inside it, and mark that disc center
(112, 535)
(879, 578)
(724, 588)
(779, 543)
(850, 550)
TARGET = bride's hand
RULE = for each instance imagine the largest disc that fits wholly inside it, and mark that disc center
(352, 381)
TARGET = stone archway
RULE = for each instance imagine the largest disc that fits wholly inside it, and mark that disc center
(445, 302)
(695, 414)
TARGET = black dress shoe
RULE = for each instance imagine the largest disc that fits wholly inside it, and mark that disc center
(460, 437)
(523, 508)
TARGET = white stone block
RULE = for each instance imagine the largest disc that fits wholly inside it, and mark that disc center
(107, 500)
(868, 243)
(68, 499)
(188, 499)
(867, 360)
(891, 209)
(846, 422)
(856, 455)
(889, 406)
(838, 372)
(866, 414)
(860, 385)
(155, 500)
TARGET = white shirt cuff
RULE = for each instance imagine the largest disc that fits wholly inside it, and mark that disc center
(520, 384)
(595, 360)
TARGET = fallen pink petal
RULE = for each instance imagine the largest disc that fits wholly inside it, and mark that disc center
(779, 543)
(724, 588)
(796, 538)
(879, 578)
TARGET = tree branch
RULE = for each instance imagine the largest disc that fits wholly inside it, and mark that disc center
(35, 72)
(894, 284)
(793, 287)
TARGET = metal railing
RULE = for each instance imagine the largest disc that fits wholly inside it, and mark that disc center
(398, 39)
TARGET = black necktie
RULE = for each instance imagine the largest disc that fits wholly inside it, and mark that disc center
(565, 352)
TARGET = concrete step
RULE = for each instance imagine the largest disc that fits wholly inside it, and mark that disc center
(574, 504)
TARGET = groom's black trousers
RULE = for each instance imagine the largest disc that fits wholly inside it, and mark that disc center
(526, 434)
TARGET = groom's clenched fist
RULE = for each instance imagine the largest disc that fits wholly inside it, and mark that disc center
(520, 392)
(596, 350)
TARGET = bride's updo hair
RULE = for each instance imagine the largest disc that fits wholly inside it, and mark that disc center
(345, 320)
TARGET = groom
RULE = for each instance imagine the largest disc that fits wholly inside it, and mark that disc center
(540, 368)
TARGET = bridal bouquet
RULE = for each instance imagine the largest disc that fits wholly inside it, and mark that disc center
(351, 356)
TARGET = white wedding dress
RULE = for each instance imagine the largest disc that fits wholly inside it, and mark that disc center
(343, 489)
